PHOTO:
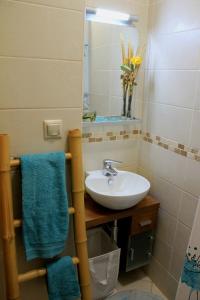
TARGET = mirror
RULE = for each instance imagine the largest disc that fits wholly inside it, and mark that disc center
(103, 91)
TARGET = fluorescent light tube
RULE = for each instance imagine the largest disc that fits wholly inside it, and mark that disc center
(111, 15)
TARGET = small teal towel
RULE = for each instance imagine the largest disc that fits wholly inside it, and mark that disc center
(62, 280)
(191, 273)
(45, 204)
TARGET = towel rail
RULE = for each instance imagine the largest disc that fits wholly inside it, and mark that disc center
(8, 224)
(18, 222)
(16, 162)
(38, 273)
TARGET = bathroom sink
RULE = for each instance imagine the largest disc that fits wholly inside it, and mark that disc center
(122, 191)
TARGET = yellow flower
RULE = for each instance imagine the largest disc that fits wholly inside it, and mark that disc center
(136, 60)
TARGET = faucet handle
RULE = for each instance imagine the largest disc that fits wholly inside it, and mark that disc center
(109, 162)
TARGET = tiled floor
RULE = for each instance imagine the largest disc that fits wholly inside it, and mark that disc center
(138, 280)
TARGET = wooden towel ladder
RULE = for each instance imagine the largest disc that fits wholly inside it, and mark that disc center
(8, 224)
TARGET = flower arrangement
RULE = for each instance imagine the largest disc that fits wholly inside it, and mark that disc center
(130, 67)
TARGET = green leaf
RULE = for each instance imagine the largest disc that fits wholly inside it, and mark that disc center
(125, 68)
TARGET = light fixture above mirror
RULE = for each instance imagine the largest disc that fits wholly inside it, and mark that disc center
(110, 17)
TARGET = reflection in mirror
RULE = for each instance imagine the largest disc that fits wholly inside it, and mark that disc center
(103, 91)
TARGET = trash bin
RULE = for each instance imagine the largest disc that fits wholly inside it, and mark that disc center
(104, 257)
(134, 295)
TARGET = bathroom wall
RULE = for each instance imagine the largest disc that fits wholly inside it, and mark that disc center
(40, 78)
(118, 142)
(170, 151)
(40, 69)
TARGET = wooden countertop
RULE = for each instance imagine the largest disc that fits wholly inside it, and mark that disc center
(96, 214)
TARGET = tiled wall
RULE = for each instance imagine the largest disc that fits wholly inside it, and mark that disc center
(127, 150)
(40, 69)
(40, 78)
(115, 142)
(170, 151)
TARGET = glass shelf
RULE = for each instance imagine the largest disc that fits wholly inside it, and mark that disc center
(110, 120)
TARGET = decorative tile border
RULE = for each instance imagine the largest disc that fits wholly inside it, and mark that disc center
(136, 133)
(96, 137)
(173, 146)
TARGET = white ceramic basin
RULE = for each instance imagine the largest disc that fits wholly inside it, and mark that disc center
(125, 190)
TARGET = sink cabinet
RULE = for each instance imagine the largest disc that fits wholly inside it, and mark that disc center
(136, 229)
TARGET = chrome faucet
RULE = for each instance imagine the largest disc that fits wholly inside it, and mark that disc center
(108, 169)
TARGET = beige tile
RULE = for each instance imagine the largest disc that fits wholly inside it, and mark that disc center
(179, 250)
(39, 31)
(71, 4)
(166, 228)
(181, 238)
(167, 194)
(188, 209)
(177, 264)
(25, 128)
(33, 83)
(162, 253)
(162, 279)
(192, 177)
(163, 163)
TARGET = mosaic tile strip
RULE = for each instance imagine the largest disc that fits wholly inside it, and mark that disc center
(133, 134)
(96, 137)
(173, 146)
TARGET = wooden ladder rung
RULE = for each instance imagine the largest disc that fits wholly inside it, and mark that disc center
(38, 273)
(18, 222)
(16, 162)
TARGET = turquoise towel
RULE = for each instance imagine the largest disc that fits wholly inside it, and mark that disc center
(62, 280)
(45, 204)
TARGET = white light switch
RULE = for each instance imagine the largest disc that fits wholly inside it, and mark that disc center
(53, 129)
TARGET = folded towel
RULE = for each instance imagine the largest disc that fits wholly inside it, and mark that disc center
(62, 280)
(45, 204)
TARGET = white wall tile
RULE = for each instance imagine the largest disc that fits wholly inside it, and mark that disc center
(125, 151)
(170, 122)
(39, 31)
(33, 83)
(173, 87)
(194, 134)
(100, 82)
(169, 16)
(170, 51)
(197, 102)
(100, 101)
(171, 110)
(163, 163)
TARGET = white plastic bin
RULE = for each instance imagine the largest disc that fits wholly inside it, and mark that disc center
(104, 257)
